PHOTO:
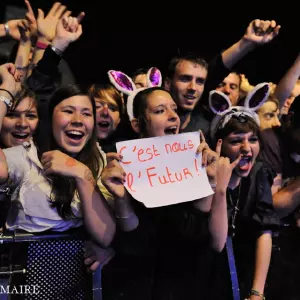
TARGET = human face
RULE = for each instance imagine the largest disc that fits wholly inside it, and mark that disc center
(187, 85)
(140, 81)
(73, 123)
(230, 86)
(19, 125)
(268, 115)
(245, 144)
(161, 115)
(107, 116)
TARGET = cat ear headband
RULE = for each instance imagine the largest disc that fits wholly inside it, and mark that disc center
(124, 84)
(220, 104)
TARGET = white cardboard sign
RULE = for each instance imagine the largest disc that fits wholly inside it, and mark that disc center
(164, 170)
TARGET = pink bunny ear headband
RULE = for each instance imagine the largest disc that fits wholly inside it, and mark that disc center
(220, 104)
(124, 84)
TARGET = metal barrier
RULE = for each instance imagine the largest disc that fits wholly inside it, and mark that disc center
(46, 266)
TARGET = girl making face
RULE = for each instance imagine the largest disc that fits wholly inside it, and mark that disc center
(251, 217)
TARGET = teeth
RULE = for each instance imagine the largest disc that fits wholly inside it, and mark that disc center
(75, 132)
(21, 134)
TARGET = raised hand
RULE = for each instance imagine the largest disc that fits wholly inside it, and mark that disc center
(31, 20)
(224, 169)
(261, 32)
(10, 78)
(113, 176)
(68, 30)
(209, 158)
(47, 25)
(13, 26)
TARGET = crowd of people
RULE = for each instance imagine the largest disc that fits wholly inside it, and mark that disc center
(60, 169)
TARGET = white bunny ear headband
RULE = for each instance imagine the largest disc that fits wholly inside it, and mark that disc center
(220, 104)
(124, 84)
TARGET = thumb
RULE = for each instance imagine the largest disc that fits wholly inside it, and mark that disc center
(236, 162)
(80, 17)
(41, 14)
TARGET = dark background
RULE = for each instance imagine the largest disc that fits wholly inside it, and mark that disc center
(126, 36)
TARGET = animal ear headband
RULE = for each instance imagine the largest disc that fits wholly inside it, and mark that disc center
(220, 104)
(124, 84)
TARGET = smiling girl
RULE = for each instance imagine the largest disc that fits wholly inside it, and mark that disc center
(21, 121)
(54, 183)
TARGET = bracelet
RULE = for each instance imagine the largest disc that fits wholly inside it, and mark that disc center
(41, 45)
(57, 51)
(10, 94)
(213, 185)
(22, 68)
(6, 27)
(256, 293)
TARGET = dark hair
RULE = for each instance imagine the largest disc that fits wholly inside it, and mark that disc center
(100, 90)
(238, 124)
(22, 94)
(140, 104)
(63, 188)
(140, 71)
(191, 57)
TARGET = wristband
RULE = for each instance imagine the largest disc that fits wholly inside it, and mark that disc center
(41, 45)
(6, 27)
(57, 51)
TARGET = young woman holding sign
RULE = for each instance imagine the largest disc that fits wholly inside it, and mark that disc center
(168, 256)
(249, 196)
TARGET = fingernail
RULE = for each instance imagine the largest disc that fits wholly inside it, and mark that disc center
(219, 141)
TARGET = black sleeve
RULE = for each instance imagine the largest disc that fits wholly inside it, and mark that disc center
(270, 151)
(263, 213)
(217, 71)
(45, 76)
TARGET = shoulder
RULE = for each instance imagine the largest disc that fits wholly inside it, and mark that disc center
(263, 172)
(17, 152)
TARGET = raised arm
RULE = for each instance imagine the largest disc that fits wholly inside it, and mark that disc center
(287, 82)
(258, 33)
(10, 85)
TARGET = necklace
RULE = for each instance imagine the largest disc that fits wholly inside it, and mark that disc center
(234, 210)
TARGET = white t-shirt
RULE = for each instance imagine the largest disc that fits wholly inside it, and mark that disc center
(30, 194)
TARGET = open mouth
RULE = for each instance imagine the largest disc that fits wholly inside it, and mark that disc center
(20, 135)
(245, 163)
(75, 135)
(103, 125)
(171, 130)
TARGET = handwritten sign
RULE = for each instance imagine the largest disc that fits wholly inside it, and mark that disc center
(164, 170)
